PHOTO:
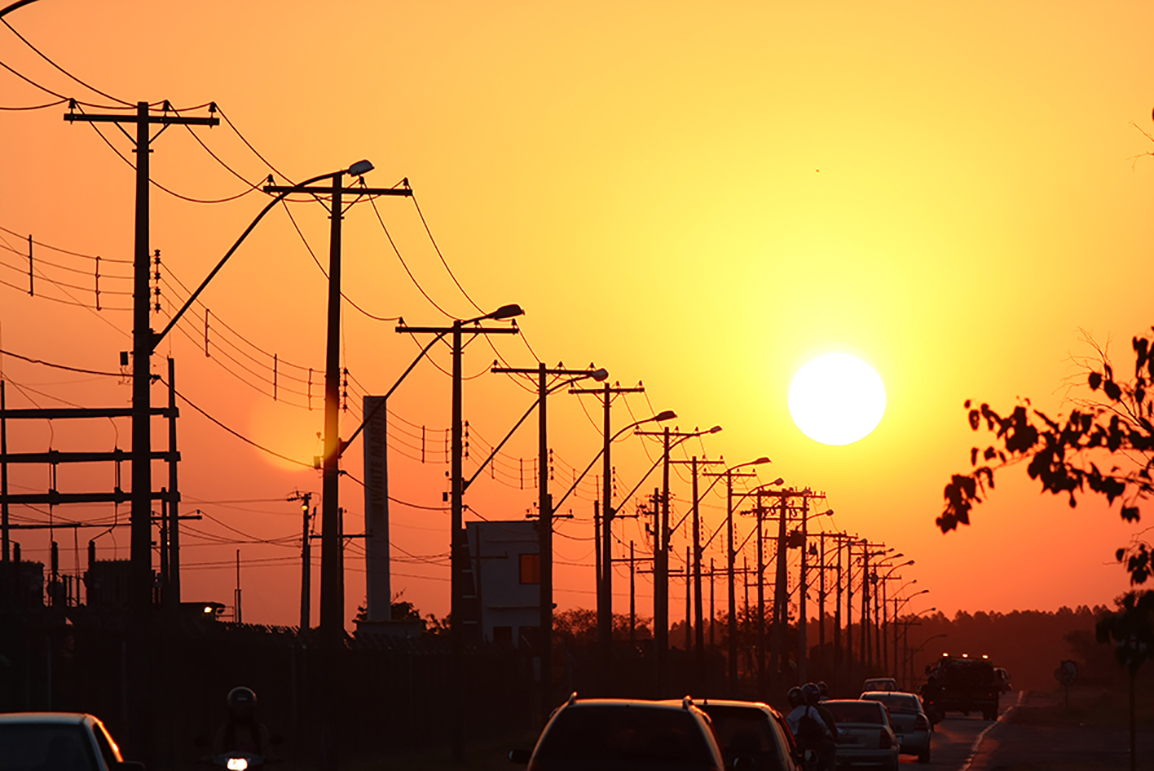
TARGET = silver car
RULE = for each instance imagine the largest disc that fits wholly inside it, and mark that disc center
(865, 738)
(909, 721)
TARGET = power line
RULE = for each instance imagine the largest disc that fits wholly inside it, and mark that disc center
(43, 56)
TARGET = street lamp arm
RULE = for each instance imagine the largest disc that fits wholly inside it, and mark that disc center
(14, 6)
(659, 417)
(497, 449)
(380, 404)
(157, 337)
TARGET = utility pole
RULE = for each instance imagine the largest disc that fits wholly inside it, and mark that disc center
(458, 546)
(762, 685)
(731, 557)
(712, 611)
(332, 579)
(172, 587)
(545, 512)
(780, 587)
(605, 582)
(306, 559)
(688, 592)
(803, 590)
(632, 598)
(140, 583)
(662, 538)
(695, 464)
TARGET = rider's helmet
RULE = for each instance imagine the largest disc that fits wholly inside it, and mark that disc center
(241, 704)
(811, 694)
(823, 689)
(795, 697)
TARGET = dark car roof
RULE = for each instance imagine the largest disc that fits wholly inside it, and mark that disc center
(626, 734)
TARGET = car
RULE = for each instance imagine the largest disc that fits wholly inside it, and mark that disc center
(865, 738)
(753, 730)
(909, 721)
(624, 735)
(68, 741)
(880, 684)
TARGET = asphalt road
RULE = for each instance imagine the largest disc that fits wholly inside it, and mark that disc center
(956, 738)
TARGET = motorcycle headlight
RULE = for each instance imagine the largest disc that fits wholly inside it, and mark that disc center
(237, 764)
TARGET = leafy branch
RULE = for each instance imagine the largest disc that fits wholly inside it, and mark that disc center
(1113, 427)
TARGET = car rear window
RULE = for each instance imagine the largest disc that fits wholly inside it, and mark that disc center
(623, 737)
(39, 747)
(855, 711)
(895, 702)
(747, 732)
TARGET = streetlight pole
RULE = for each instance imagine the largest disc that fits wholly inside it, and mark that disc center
(899, 602)
(605, 594)
(545, 512)
(457, 544)
(662, 540)
(729, 562)
(604, 538)
(332, 575)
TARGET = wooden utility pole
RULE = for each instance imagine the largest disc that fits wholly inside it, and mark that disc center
(458, 547)
(605, 580)
(332, 620)
(143, 342)
(545, 511)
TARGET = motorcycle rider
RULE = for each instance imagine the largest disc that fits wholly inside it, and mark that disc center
(242, 732)
(812, 725)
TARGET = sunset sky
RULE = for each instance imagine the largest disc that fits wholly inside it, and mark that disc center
(702, 197)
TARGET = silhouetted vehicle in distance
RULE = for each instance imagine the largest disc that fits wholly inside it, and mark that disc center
(961, 685)
(751, 730)
(1003, 678)
(64, 741)
(880, 684)
(865, 738)
(909, 721)
(624, 735)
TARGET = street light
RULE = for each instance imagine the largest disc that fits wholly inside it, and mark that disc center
(899, 603)
(728, 474)
(544, 506)
(457, 545)
(662, 536)
(605, 580)
(880, 599)
(4, 12)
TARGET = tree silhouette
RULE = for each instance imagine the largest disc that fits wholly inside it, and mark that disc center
(1104, 447)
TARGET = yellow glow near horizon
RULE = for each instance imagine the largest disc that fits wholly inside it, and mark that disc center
(837, 399)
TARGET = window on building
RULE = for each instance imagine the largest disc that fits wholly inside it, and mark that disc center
(530, 568)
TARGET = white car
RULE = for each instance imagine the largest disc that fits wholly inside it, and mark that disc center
(865, 738)
(909, 721)
(64, 741)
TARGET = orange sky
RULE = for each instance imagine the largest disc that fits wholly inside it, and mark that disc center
(702, 198)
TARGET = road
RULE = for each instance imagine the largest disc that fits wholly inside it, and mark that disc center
(956, 737)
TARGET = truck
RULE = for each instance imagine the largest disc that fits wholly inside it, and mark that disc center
(961, 684)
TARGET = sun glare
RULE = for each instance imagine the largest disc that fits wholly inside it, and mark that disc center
(837, 399)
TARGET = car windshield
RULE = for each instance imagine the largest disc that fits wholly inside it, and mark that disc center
(746, 732)
(895, 702)
(624, 737)
(45, 747)
(856, 711)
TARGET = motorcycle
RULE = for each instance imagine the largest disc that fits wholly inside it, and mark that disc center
(238, 761)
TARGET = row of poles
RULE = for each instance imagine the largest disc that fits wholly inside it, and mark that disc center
(333, 189)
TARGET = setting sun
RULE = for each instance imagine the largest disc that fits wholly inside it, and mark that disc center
(837, 399)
